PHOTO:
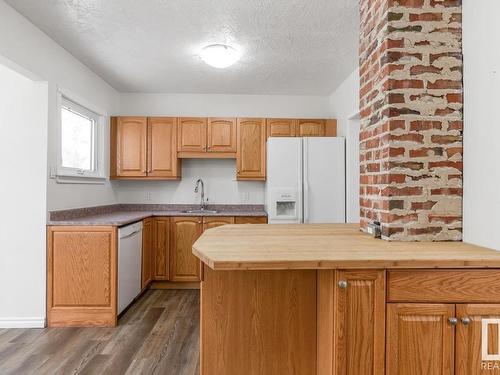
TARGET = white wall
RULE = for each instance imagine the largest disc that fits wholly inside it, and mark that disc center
(218, 176)
(23, 149)
(216, 173)
(224, 105)
(481, 33)
(30, 48)
(344, 106)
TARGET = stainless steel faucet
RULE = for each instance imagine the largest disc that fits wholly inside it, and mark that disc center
(196, 189)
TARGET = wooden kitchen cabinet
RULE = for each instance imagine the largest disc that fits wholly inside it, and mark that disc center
(162, 158)
(281, 127)
(82, 265)
(420, 339)
(468, 358)
(128, 146)
(144, 148)
(192, 134)
(250, 220)
(214, 222)
(184, 231)
(221, 135)
(147, 252)
(251, 149)
(359, 326)
(161, 253)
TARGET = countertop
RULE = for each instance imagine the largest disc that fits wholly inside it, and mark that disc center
(123, 214)
(328, 246)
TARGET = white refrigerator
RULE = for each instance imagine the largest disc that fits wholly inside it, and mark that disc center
(306, 180)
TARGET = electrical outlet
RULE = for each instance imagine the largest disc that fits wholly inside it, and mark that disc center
(149, 196)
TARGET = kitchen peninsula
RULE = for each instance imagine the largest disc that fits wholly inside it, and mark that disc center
(320, 299)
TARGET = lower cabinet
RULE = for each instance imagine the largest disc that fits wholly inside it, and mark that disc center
(250, 220)
(351, 317)
(420, 339)
(214, 222)
(184, 231)
(161, 248)
(82, 265)
(469, 339)
(147, 252)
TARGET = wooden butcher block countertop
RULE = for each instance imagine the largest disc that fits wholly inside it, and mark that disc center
(328, 246)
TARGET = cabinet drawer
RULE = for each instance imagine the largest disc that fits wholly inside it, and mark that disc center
(443, 286)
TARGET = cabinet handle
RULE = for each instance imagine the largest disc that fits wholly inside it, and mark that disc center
(466, 321)
(453, 321)
(342, 284)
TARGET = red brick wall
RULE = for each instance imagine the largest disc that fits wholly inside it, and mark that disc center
(411, 118)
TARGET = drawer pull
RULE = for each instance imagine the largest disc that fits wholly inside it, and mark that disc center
(466, 321)
(453, 321)
(343, 284)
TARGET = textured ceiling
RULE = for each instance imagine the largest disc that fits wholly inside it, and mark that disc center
(295, 47)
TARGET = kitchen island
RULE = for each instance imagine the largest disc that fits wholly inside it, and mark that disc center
(328, 299)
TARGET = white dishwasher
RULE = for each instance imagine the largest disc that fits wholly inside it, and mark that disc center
(129, 264)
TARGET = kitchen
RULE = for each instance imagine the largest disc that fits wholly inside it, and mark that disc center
(145, 176)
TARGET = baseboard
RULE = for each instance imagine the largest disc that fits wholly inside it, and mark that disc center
(174, 285)
(22, 323)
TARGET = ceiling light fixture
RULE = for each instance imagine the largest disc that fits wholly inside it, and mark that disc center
(219, 55)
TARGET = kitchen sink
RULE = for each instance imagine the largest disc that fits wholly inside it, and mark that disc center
(200, 212)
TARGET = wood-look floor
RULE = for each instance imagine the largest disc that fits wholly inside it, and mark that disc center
(158, 335)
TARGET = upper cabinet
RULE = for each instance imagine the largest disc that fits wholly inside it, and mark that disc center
(221, 135)
(311, 128)
(144, 147)
(128, 147)
(192, 134)
(162, 148)
(281, 127)
(152, 148)
(251, 149)
(199, 137)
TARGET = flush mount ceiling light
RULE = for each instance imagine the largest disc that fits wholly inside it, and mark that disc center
(219, 55)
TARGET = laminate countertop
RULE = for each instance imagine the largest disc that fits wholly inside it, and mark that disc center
(328, 246)
(123, 214)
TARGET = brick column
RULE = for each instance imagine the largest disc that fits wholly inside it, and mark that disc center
(411, 118)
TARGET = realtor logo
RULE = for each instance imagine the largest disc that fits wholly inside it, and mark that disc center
(485, 323)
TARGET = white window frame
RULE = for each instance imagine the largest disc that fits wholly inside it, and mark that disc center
(74, 175)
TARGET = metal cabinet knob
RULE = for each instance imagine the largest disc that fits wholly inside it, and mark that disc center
(342, 284)
(453, 321)
(466, 321)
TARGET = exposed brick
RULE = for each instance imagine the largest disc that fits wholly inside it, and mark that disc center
(446, 139)
(411, 117)
(426, 17)
(444, 84)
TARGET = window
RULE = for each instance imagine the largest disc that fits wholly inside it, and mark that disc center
(79, 140)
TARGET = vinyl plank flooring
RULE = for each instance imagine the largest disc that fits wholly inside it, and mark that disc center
(159, 334)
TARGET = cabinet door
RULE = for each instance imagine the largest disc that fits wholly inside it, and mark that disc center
(161, 248)
(221, 135)
(251, 154)
(281, 127)
(420, 339)
(250, 220)
(131, 146)
(359, 333)
(162, 147)
(469, 356)
(192, 134)
(184, 266)
(214, 222)
(147, 252)
(311, 128)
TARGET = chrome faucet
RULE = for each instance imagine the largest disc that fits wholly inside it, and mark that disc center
(196, 189)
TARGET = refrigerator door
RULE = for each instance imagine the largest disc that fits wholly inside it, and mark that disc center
(284, 180)
(324, 180)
